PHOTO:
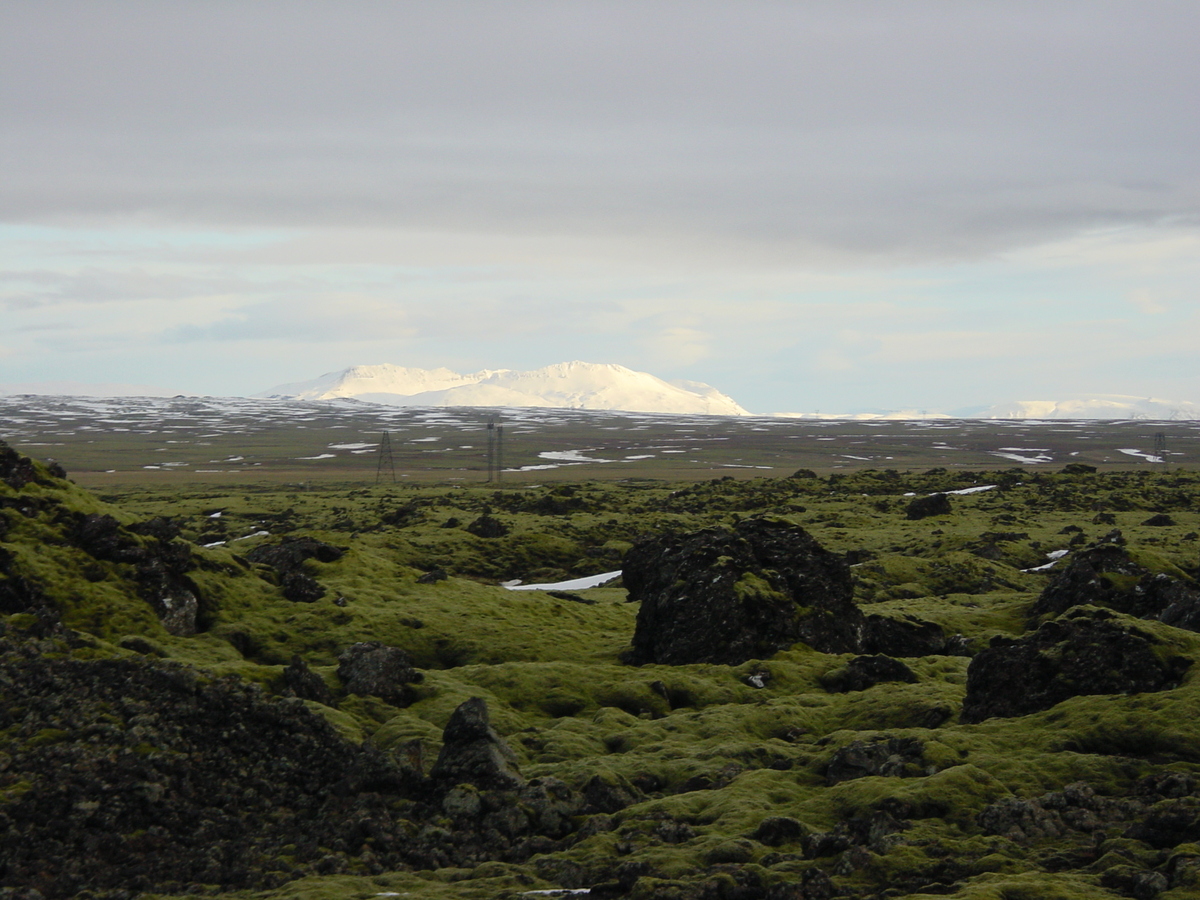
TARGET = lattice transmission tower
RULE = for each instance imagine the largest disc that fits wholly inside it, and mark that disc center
(495, 451)
(1160, 447)
(386, 463)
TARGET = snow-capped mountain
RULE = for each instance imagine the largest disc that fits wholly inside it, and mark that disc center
(569, 385)
(1091, 406)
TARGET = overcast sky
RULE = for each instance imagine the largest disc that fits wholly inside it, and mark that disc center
(810, 205)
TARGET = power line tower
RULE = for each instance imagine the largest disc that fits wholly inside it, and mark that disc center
(1160, 447)
(385, 459)
(495, 451)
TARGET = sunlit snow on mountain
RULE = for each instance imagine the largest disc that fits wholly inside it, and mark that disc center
(569, 385)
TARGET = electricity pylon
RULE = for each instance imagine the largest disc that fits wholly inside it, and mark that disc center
(385, 459)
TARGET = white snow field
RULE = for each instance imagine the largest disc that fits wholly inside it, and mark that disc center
(568, 385)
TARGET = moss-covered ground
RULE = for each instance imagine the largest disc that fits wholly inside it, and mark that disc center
(708, 756)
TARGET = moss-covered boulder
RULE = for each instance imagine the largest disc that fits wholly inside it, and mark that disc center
(727, 595)
(1107, 573)
(1090, 651)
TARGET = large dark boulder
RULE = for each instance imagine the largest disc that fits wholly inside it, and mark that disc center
(472, 752)
(924, 507)
(370, 667)
(1086, 652)
(1105, 574)
(726, 595)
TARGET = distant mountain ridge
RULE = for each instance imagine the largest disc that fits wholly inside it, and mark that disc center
(1091, 406)
(567, 385)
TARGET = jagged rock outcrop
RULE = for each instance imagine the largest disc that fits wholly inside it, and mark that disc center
(1077, 807)
(473, 753)
(160, 565)
(487, 526)
(726, 595)
(1086, 652)
(370, 667)
(122, 776)
(136, 775)
(1105, 574)
(287, 559)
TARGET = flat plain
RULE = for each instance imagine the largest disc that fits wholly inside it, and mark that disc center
(783, 776)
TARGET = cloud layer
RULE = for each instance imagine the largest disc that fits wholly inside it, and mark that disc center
(761, 192)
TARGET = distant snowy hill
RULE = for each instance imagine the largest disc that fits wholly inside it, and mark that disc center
(569, 385)
(1091, 406)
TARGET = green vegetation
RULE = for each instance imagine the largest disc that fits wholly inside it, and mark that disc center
(707, 758)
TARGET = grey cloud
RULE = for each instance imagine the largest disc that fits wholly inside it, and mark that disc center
(903, 130)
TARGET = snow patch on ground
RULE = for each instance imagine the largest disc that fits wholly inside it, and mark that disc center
(575, 584)
(1031, 460)
(1149, 457)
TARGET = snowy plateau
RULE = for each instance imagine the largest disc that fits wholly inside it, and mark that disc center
(568, 385)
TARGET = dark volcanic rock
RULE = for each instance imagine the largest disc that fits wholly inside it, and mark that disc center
(160, 566)
(301, 681)
(863, 672)
(1159, 520)
(300, 587)
(487, 526)
(1077, 807)
(899, 757)
(370, 667)
(139, 776)
(1104, 574)
(924, 507)
(473, 753)
(124, 776)
(726, 595)
(290, 554)
(1086, 652)
(17, 471)
(908, 636)
(288, 558)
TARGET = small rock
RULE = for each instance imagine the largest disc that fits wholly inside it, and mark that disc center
(473, 753)
(899, 757)
(370, 667)
(301, 681)
(863, 672)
